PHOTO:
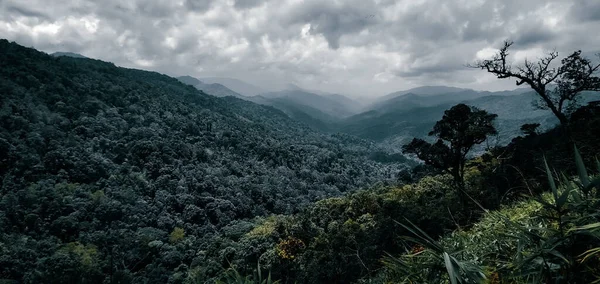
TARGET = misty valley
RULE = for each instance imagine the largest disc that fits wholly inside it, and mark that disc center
(351, 147)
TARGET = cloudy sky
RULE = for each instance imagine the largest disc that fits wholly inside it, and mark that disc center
(353, 47)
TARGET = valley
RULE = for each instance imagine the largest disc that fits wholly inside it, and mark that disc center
(392, 120)
(299, 142)
(121, 175)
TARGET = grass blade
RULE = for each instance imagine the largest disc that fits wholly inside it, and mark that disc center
(581, 171)
(551, 180)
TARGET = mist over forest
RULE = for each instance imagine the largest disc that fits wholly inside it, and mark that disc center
(299, 142)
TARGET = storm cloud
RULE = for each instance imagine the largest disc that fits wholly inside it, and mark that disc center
(353, 47)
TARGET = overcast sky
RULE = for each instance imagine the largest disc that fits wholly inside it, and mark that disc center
(354, 47)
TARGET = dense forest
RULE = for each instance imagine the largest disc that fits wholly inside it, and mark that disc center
(114, 175)
(132, 176)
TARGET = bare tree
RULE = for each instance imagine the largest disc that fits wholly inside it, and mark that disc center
(558, 87)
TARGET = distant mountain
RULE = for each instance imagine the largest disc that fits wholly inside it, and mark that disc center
(312, 117)
(68, 54)
(215, 89)
(189, 80)
(293, 87)
(334, 105)
(414, 116)
(444, 90)
(424, 90)
(422, 98)
(235, 85)
(352, 105)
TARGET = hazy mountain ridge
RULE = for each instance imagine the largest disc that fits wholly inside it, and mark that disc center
(236, 85)
(214, 89)
(432, 95)
(395, 118)
(336, 106)
(400, 124)
(409, 116)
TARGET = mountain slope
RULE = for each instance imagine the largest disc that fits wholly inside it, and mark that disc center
(422, 91)
(68, 54)
(238, 86)
(108, 170)
(333, 105)
(318, 111)
(431, 96)
(214, 89)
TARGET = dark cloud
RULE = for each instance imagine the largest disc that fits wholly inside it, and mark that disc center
(354, 46)
(246, 4)
(157, 9)
(585, 10)
(198, 5)
(22, 11)
(534, 34)
(334, 20)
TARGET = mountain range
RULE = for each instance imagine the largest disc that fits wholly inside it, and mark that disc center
(118, 175)
(214, 89)
(392, 120)
(236, 85)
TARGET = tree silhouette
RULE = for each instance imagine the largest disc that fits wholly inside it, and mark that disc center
(558, 87)
(461, 128)
(530, 129)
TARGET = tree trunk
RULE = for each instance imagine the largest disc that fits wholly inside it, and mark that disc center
(561, 117)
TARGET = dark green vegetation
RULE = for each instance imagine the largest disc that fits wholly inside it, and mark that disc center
(526, 235)
(112, 173)
(460, 129)
(415, 227)
(551, 238)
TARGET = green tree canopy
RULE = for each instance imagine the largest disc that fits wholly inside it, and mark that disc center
(461, 128)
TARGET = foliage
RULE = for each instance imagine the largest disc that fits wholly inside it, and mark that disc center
(177, 235)
(550, 238)
(530, 128)
(117, 159)
(289, 248)
(232, 276)
(461, 128)
(113, 175)
(341, 240)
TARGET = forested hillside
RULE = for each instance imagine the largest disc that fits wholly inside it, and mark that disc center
(515, 226)
(114, 175)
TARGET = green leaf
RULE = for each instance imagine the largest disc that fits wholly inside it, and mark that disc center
(581, 171)
(559, 255)
(425, 239)
(551, 180)
(592, 226)
(451, 269)
(594, 183)
(562, 200)
(589, 253)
